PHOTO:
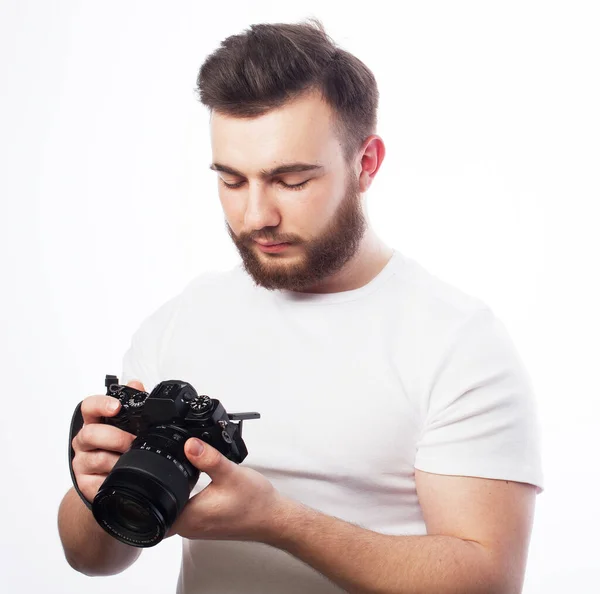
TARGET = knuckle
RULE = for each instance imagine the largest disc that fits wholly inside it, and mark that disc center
(87, 433)
(99, 462)
(102, 462)
(77, 463)
(93, 463)
(87, 464)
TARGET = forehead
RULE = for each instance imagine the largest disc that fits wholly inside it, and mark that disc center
(301, 130)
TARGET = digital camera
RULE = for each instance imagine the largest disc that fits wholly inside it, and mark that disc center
(150, 484)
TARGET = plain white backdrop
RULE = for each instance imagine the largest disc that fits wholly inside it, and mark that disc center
(489, 112)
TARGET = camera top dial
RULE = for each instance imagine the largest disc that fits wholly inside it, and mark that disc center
(199, 404)
(136, 399)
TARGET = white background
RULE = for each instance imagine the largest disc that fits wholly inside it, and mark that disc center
(489, 111)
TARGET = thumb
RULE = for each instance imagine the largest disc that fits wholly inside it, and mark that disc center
(137, 385)
(208, 459)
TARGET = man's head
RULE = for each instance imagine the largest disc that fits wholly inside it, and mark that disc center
(283, 95)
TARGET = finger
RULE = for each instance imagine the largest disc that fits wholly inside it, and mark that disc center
(98, 436)
(208, 459)
(137, 385)
(97, 406)
(89, 484)
(93, 408)
(97, 462)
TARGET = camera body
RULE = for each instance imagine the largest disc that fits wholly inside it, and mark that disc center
(176, 403)
(150, 484)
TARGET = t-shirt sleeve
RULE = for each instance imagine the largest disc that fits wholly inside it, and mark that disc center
(482, 416)
(142, 360)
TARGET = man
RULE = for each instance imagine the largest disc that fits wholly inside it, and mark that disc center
(397, 448)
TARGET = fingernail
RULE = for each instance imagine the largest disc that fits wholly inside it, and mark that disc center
(113, 405)
(195, 448)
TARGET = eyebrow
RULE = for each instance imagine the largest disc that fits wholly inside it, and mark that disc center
(286, 168)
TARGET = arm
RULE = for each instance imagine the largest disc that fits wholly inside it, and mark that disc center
(477, 541)
(88, 548)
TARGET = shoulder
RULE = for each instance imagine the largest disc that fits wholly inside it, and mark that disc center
(431, 312)
(461, 331)
(434, 296)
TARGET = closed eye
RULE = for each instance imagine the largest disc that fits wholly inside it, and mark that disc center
(294, 186)
(280, 182)
(231, 185)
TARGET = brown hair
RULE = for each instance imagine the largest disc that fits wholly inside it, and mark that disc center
(270, 64)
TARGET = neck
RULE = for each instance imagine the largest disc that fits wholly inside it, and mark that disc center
(368, 261)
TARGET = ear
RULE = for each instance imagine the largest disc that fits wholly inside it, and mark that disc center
(372, 157)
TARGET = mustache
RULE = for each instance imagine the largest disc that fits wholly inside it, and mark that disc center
(264, 238)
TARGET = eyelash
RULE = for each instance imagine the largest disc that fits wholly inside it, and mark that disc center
(287, 186)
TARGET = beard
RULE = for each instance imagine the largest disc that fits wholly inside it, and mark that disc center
(321, 256)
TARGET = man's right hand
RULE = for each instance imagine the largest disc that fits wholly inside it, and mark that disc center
(98, 446)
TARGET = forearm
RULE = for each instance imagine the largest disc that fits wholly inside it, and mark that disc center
(88, 548)
(365, 562)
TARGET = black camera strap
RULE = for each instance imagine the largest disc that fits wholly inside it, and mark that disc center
(76, 425)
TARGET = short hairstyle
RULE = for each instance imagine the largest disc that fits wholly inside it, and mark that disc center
(269, 64)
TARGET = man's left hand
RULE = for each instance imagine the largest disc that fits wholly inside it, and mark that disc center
(239, 503)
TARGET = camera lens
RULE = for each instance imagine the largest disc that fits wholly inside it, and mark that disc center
(132, 514)
(124, 515)
(147, 488)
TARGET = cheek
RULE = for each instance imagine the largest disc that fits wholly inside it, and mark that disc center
(306, 216)
(319, 204)
(232, 209)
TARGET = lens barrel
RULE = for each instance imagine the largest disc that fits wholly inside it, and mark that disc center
(147, 488)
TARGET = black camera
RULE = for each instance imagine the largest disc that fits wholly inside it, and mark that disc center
(150, 484)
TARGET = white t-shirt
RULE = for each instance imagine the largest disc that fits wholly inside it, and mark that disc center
(355, 390)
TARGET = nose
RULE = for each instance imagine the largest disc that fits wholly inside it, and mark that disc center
(261, 208)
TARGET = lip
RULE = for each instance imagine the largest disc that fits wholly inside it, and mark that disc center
(271, 248)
